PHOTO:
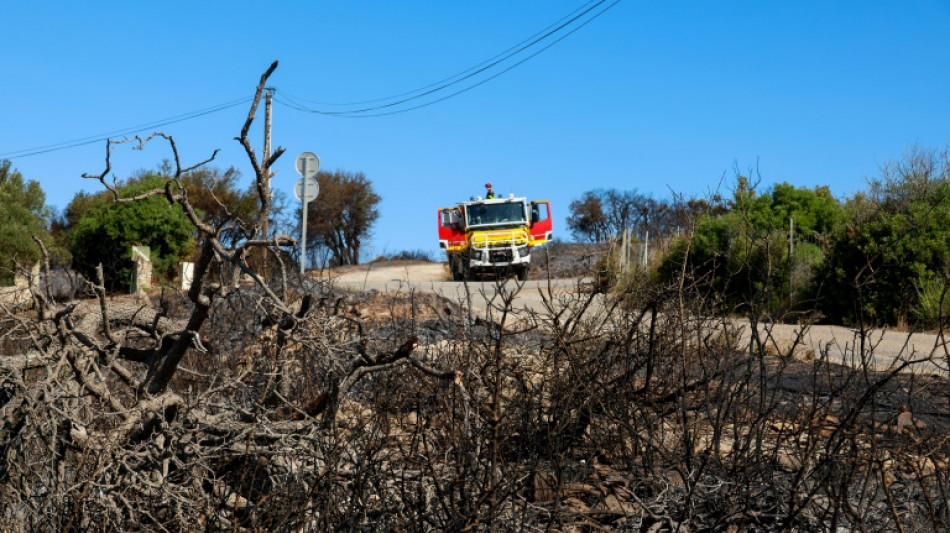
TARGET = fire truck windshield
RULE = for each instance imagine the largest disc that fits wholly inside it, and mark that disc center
(497, 215)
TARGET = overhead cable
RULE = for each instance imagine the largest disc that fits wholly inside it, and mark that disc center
(293, 103)
(297, 103)
(26, 152)
(453, 76)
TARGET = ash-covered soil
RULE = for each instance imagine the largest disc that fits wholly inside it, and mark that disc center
(568, 260)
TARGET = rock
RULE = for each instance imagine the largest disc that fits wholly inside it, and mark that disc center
(906, 422)
(574, 505)
(707, 444)
(829, 426)
(578, 488)
(545, 487)
(236, 501)
(614, 505)
(78, 434)
(784, 426)
(788, 460)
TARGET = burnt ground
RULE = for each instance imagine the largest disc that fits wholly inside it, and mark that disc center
(741, 420)
(581, 435)
(567, 260)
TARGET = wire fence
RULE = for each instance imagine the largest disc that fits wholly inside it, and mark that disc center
(804, 253)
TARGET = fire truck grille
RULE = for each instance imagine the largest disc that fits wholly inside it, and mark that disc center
(501, 256)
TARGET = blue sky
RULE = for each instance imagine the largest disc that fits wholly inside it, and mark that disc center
(660, 97)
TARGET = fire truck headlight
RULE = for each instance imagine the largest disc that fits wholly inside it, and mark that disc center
(477, 255)
(523, 251)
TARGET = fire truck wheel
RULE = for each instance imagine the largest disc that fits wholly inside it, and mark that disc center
(522, 273)
(459, 272)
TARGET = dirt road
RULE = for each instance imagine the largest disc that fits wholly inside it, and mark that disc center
(841, 344)
(381, 272)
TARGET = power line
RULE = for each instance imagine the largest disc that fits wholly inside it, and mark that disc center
(485, 67)
(292, 103)
(27, 152)
(453, 76)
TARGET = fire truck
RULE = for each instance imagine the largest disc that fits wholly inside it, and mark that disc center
(493, 235)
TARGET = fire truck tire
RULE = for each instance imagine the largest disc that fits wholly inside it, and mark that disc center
(459, 272)
(522, 272)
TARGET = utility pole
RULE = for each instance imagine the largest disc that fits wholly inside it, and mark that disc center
(268, 106)
(646, 250)
(624, 243)
(791, 259)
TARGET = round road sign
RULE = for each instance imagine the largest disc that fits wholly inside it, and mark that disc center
(313, 188)
(308, 164)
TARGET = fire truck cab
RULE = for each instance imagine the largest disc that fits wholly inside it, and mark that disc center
(493, 236)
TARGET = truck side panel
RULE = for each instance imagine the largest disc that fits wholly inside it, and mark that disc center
(451, 233)
(542, 225)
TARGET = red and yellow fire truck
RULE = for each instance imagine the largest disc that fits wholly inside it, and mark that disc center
(493, 235)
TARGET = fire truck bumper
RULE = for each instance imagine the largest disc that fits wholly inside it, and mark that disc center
(499, 257)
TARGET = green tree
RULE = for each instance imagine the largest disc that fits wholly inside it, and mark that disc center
(106, 230)
(342, 217)
(221, 202)
(214, 193)
(23, 214)
(895, 242)
(741, 256)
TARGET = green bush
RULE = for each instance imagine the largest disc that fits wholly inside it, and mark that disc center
(106, 232)
(741, 257)
(933, 301)
(895, 244)
(23, 214)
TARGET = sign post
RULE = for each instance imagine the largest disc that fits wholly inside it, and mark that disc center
(141, 269)
(307, 165)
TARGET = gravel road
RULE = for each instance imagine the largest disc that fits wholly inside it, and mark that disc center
(840, 344)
